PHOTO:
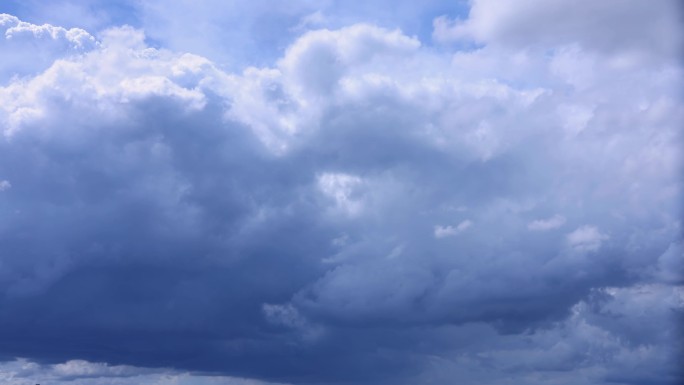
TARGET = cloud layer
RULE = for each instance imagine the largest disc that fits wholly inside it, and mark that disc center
(368, 208)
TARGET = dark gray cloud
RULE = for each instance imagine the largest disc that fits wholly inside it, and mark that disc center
(364, 211)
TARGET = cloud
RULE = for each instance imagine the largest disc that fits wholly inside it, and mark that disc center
(597, 325)
(279, 222)
(586, 238)
(447, 231)
(554, 222)
(340, 188)
(24, 372)
(635, 28)
(319, 59)
(36, 47)
(236, 34)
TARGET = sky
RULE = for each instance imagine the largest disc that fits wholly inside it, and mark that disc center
(347, 193)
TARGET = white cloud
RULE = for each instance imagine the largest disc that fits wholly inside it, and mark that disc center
(16, 29)
(5, 185)
(80, 372)
(586, 238)
(35, 47)
(121, 71)
(448, 231)
(342, 188)
(317, 61)
(554, 222)
(636, 28)
(83, 369)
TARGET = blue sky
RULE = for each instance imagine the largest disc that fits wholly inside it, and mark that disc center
(327, 192)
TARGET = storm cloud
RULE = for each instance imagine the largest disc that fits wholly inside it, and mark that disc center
(497, 201)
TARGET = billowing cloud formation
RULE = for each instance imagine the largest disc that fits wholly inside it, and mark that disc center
(366, 209)
(35, 47)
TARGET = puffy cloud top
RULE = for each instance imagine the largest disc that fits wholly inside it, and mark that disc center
(35, 47)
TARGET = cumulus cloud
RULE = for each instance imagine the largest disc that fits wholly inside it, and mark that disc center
(447, 231)
(586, 238)
(258, 32)
(303, 221)
(36, 47)
(554, 222)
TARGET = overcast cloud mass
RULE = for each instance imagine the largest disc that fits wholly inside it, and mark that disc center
(329, 192)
